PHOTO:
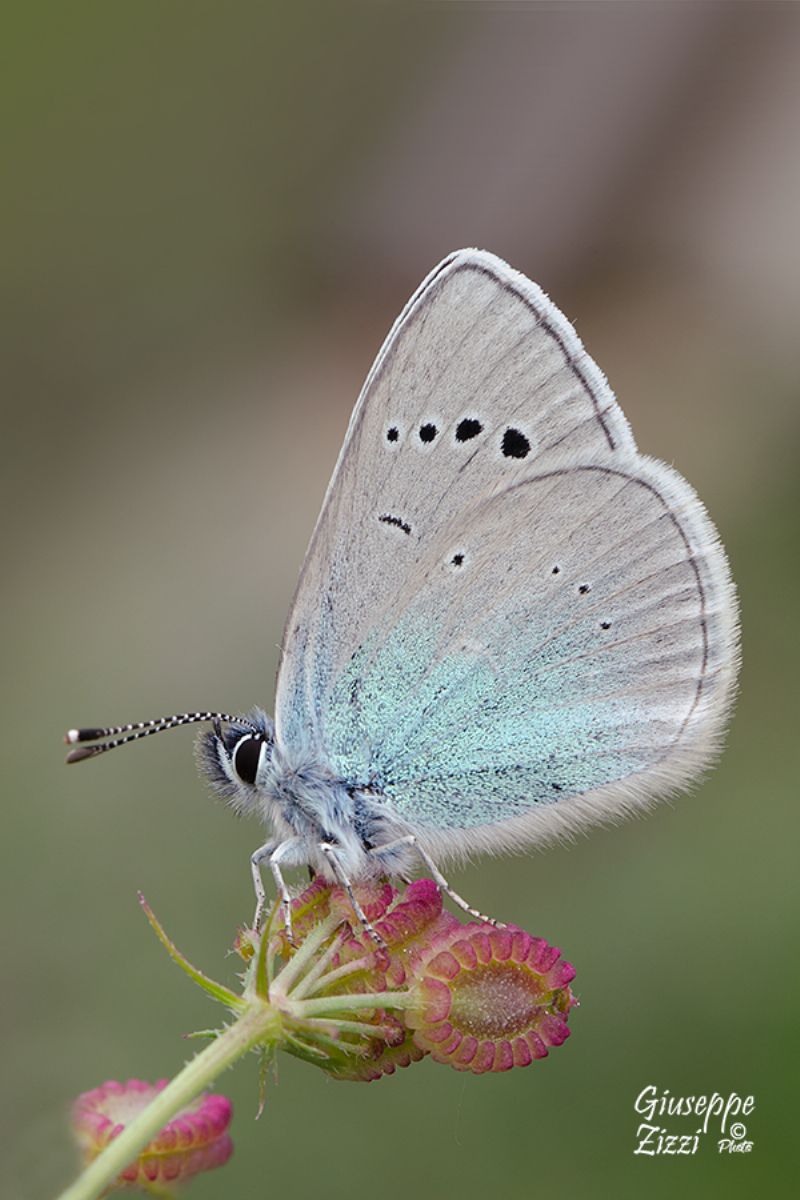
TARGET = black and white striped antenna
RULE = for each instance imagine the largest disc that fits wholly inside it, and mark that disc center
(110, 737)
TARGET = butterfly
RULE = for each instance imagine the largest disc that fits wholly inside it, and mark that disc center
(509, 624)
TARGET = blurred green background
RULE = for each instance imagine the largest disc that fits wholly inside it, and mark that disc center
(211, 215)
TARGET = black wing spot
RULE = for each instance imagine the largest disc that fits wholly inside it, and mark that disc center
(457, 560)
(556, 570)
(556, 787)
(515, 444)
(605, 624)
(467, 429)
(584, 588)
(388, 519)
(392, 434)
(427, 432)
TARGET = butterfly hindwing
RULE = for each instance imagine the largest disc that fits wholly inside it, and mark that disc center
(581, 642)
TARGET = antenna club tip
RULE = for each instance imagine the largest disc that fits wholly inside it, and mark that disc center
(81, 753)
(72, 736)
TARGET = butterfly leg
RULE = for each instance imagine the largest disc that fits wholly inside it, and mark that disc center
(274, 855)
(330, 852)
(410, 839)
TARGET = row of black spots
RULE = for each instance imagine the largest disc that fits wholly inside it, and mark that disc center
(583, 590)
(466, 430)
(514, 443)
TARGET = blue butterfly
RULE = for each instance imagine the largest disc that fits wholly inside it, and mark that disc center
(509, 624)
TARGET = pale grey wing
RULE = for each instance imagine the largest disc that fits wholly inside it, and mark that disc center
(563, 652)
(480, 382)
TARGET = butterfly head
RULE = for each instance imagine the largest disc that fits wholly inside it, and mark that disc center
(235, 756)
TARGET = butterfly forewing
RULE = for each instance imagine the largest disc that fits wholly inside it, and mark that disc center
(480, 379)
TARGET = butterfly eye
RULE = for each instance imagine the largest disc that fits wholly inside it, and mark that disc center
(246, 757)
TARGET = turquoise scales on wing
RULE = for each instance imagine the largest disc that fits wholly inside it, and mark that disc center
(527, 695)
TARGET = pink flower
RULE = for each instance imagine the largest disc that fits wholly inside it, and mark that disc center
(487, 999)
(195, 1140)
(476, 997)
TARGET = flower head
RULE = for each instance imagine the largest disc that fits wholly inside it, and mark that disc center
(489, 999)
(195, 1140)
(476, 997)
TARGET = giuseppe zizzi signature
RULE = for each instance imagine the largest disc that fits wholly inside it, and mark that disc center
(715, 1114)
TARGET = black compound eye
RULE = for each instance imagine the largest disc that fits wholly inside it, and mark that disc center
(246, 757)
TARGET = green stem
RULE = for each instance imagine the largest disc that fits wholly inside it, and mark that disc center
(309, 984)
(284, 980)
(258, 1024)
(308, 981)
(321, 1005)
(314, 1024)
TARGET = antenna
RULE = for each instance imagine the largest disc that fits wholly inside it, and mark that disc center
(109, 738)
